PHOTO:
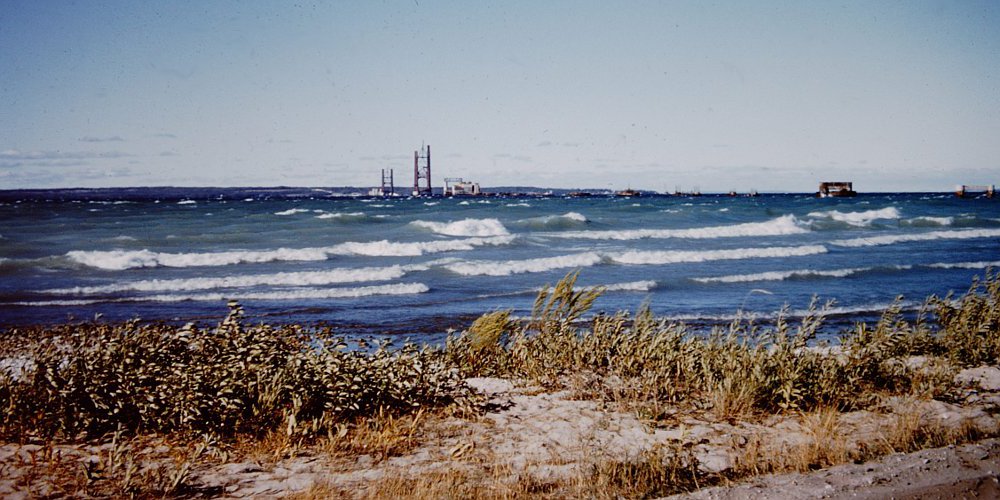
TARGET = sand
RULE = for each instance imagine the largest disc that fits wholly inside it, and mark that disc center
(549, 436)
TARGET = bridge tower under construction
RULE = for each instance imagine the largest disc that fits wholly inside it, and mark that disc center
(422, 170)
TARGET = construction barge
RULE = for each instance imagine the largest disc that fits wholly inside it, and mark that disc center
(967, 191)
(836, 190)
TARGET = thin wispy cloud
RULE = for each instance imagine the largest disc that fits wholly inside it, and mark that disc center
(90, 138)
(15, 154)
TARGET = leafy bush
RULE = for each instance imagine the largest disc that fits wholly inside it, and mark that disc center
(97, 378)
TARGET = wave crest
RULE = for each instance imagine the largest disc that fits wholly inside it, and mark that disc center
(465, 227)
(509, 267)
(860, 219)
(929, 236)
(781, 226)
(119, 260)
(640, 257)
(567, 220)
(306, 278)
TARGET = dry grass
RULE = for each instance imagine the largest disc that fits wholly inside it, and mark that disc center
(381, 436)
(272, 393)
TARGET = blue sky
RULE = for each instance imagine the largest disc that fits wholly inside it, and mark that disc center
(773, 96)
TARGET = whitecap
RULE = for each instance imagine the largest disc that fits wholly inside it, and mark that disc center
(465, 227)
(385, 248)
(509, 267)
(929, 221)
(554, 222)
(292, 211)
(290, 294)
(187, 202)
(300, 293)
(117, 260)
(860, 219)
(631, 286)
(639, 257)
(929, 236)
(340, 215)
(781, 226)
(798, 273)
(305, 278)
(965, 265)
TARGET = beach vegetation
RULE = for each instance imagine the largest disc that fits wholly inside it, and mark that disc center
(273, 391)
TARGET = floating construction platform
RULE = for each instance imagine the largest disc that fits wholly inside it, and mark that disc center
(969, 191)
(836, 190)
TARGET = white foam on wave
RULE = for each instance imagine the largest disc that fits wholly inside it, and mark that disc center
(631, 286)
(299, 293)
(290, 294)
(640, 257)
(798, 273)
(966, 265)
(341, 215)
(509, 267)
(187, 202)
(292, 211)
(860, 219)
(465, 227)
(386, 248)
(929, 236)
(305, 278)
(118, 260)
(781, 226)
(930, 221)
(568, 219)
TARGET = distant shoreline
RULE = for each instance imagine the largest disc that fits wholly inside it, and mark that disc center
(171, 193)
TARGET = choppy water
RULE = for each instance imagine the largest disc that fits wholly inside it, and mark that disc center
(416, 267)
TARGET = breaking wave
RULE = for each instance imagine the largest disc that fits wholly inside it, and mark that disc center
(683, 256)
(928, 221)
(292, 211)
(796, 274)
(344, 217)
(291, 294)
(785, 225)
(634, 257)
(465, 227)
(966, 265)
(509, 267)
(632, 286)
(308, 278)
(118, 260)
(567, 220)
(861, 219)
(930, 236)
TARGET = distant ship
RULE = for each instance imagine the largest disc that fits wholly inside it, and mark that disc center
(836, 190)
(628, 193)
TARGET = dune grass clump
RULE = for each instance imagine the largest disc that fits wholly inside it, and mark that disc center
(970, 324)
(737, 370)
(233, 379)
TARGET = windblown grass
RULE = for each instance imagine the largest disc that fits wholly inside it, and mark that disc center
(738, 370)
(233, 379)
(271, 390)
